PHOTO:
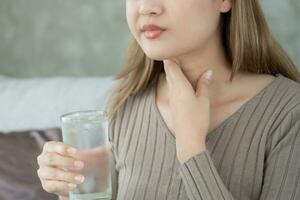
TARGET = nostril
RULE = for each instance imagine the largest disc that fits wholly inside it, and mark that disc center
(146, 9)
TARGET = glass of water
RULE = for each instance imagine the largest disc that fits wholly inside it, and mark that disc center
(87, 131)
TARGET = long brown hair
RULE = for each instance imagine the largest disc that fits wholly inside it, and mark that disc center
(248, 44)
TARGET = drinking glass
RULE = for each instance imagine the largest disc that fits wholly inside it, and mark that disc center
(87, 131)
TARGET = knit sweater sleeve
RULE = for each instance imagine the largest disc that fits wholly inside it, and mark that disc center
(112, 160)
(282, 163)
(281, 172)
(114, 176)
(201, 179)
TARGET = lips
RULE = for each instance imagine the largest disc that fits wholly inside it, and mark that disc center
(151, 27)
(152, 31)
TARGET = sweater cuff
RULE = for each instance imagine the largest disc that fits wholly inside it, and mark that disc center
(201, 179)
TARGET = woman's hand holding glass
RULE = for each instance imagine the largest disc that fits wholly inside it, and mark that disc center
(59, 168)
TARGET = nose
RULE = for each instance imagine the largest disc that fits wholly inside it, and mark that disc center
(150, 7)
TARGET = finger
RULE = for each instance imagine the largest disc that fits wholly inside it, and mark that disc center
(167, 66)
(173, 69)
(57, 160)
(55, 174)
(63, 197)
(176, 75)
(172, 89)
(59, 147)
(202, 84)
(58, 187)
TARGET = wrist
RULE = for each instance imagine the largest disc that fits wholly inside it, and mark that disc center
(190, 150)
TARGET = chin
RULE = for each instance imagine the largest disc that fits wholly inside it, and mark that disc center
(158, 54)
(156, 57)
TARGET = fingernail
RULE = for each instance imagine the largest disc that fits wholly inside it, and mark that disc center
(72, 186)
(60, 149)
(208, 74)
(72, 150)
(79, 178)
(78, 164)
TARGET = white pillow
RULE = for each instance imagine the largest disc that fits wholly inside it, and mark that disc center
(38, 103)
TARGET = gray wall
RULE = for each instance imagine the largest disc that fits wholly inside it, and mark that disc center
(283, 17)
(62, 37)
(80, 37)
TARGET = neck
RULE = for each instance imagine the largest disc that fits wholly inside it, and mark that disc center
(210, 56)
(194, 64)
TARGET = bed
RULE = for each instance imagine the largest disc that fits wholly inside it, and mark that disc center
(29, 117)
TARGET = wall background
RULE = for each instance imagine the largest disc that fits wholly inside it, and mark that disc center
(89, 38)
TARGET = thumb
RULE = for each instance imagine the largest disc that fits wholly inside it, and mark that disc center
(203, 82)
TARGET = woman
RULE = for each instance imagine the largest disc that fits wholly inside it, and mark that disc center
(207, 107)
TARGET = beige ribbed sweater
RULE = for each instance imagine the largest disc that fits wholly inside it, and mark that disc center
(253, 154)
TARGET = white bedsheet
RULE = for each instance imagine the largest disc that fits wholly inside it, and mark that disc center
(38, 103)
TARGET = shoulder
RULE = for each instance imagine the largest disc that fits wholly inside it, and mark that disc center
(279, 96)
(132, 104)
(125, 116)
(290, 108)
(139, 99)
(285, 104)
(289, 91)
(285, 118)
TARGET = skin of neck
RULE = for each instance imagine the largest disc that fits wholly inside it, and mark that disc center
(210, 56)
